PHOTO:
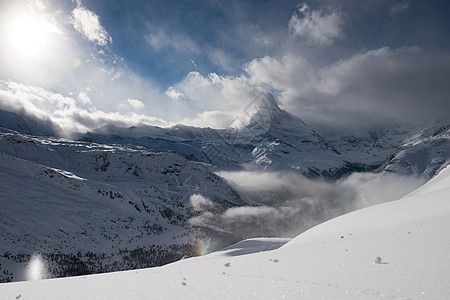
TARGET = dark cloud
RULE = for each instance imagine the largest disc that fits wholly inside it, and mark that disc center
(407, 84)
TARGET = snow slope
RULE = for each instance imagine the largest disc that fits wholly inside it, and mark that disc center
(396, 250)
(96, 204)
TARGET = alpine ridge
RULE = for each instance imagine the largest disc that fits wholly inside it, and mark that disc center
(121, 198)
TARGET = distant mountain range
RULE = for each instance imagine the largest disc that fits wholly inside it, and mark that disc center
(275, 140)
(120, 198)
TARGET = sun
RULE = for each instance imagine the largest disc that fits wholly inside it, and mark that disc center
(28, 34)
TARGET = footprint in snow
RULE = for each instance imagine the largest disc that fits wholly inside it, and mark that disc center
(274, 260)
(227, 265)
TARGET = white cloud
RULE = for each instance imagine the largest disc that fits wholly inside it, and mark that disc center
(200, 203)
(173, 94)
(213, 119)
(291, 203)
(63, 110)
(316, 26)
(133, 103)
(292, 75)
(215, 92)
(84, 98)
(27, 93)
(249, 212)
(88, 24)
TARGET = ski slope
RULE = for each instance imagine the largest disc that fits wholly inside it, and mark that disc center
(337, 259)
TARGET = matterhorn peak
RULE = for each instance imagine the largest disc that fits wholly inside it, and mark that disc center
(264, 110)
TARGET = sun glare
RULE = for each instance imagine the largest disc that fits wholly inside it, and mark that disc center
(28, 34)
(36, 268)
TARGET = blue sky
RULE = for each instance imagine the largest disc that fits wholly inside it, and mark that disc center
(336, 64)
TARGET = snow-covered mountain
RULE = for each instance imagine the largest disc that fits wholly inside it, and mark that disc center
(394, 250)
(121, 198)
(101, 207)
(273, 140)
(372, 146)
(423, 154)
(28, 124)
(281, 141)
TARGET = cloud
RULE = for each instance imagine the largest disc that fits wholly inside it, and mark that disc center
(64, 110)
(84, 98)
(317, 27)
(213, 119)
(399, 8)
(292, 75)
(81, 120)
(87, 23)
(200, 203)
(218, 100)
(290, 204)
(371, 189)
(173, 94)
(216, 92)
(405, 84)
(158, 39)
(133, 103)
(26, 94)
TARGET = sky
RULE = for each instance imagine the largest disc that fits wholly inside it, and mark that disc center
(338, 65)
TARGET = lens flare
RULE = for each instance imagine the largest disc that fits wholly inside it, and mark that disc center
(76, 62)
(36, 268)
(202, 246)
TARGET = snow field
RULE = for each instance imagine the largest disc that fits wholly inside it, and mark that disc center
(332, 260)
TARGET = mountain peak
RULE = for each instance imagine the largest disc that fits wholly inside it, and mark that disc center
(265, 109)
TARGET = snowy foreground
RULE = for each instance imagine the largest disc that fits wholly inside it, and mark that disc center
(399, 249)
